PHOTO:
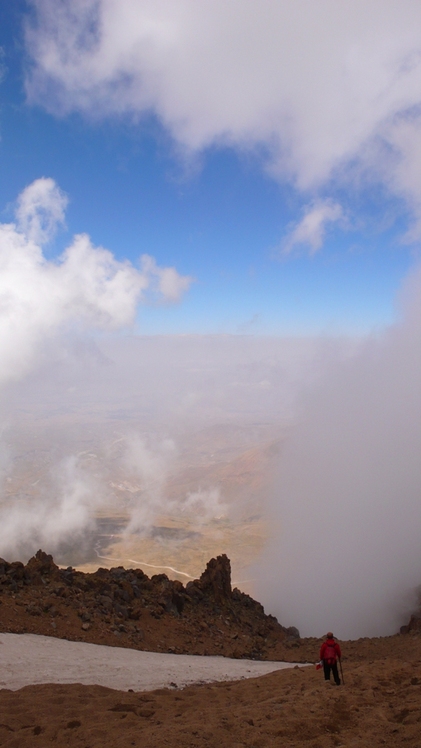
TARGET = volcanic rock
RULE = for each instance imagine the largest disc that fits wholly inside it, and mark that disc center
(216, 579)
(413, 625)
(205, 617)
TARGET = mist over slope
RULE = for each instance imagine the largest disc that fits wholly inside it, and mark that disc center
(344, 510)
(107, 426)
(346, 552)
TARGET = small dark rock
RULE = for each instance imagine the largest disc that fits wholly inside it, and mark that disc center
(292, 632)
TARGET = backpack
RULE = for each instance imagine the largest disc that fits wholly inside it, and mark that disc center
(330, 654)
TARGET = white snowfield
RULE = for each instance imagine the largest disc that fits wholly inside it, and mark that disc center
(27, 659)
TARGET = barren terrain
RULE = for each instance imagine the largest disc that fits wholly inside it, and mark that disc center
(379, 703)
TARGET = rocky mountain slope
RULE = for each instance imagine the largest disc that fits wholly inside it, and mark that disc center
(379, 705)
(127, 608)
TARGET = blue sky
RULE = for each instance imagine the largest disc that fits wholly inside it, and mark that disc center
(218, 207)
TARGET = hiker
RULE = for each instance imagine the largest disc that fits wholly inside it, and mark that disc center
(330, 652)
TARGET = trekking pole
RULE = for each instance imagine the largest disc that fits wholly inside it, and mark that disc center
(342, 672)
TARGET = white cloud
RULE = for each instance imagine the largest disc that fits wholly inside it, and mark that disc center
(41, 209)
(3, 68)
(203, 505)
(346, 501)
(65, 512)
(317, 84)
(405, 139)
(311, 230)
(146, 469)
(168, 282)
(86, 285)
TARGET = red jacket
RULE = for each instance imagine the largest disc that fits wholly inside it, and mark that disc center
(330, 643)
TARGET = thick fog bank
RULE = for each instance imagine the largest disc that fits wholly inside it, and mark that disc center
(346, 552)
(101, 425)
(345, 510)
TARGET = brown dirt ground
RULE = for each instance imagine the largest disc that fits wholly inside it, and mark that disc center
(380, 705)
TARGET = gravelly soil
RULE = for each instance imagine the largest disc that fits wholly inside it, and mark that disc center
(379, 705)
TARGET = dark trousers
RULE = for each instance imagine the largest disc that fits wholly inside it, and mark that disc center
(334, 668)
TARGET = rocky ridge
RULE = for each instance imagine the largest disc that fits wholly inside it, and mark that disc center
(124, 607)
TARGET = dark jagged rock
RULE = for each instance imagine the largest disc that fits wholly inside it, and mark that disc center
(413, 625)
(216, 579)
(124, 606)
(292, 632)
(40, 567)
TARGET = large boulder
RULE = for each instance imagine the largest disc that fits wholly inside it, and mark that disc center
(216, 579)
(40, 566)
(414, 625)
